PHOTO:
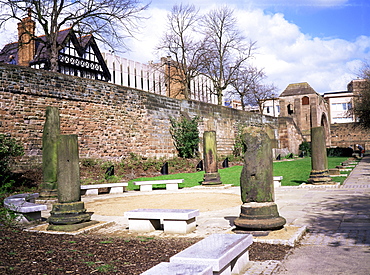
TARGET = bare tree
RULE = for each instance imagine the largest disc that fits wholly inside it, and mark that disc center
(110, 21)
(249, 87)
(245, 82)
(224, 48)
(180, 44)
(361, 107)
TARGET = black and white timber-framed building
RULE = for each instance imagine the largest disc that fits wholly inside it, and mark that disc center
(79, 56)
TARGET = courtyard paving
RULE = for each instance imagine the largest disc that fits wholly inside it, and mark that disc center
(337, 220)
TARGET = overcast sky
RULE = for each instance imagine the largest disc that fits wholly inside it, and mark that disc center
(322, 42)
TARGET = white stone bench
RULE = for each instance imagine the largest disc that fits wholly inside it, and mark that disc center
(226, 253)
(147, 185)
(165, 268)
(178, 221)
(113, 188)
(26, 208)
(277, 181)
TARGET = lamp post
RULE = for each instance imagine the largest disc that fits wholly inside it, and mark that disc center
(169, 75)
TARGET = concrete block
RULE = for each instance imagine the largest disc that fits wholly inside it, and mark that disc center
(91, 192)
(172, 186)
(141, 225)
(179, 226)
(116, 190)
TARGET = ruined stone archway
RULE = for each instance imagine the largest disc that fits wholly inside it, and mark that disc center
(325, 123)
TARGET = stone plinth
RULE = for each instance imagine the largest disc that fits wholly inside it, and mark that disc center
(211, 176)
(260, 216)
(258, 212)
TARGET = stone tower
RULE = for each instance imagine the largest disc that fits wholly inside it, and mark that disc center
(306, 107)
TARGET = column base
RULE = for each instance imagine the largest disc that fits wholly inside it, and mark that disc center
(318, 177)
(211, 179)
(259, 216)
(69, 213)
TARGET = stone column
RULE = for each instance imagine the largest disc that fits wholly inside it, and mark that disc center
(258, 212)
(49, 152)
(211, 175)
(69, 214)
(319, 162)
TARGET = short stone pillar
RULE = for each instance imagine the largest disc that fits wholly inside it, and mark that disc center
(50, 136)
(259, 211)
(211, 176)
(69, 214)
(319, 161)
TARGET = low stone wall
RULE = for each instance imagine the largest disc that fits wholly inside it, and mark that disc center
(349, 134)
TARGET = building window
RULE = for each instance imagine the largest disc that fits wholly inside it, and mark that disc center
(290, 109)
(305, 100)
(342, 106)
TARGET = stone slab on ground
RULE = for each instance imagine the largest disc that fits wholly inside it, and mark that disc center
(42, 228)
(289, 235)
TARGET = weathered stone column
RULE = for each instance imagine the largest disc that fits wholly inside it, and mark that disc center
(69, 214)
(258, 212)
(49, 152)
(319, 161)
(211, 175)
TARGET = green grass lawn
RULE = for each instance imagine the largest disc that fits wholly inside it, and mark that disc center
(294, 172)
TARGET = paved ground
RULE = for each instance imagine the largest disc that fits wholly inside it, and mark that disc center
(338, 220)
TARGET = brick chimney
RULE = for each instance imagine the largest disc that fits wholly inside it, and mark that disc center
(26, 31)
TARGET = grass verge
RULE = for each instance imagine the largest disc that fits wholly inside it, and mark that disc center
(294, 173)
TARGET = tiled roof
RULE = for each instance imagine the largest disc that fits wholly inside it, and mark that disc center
(298, 89)
(41, 54)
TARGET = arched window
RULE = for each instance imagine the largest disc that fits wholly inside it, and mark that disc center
(305, 100)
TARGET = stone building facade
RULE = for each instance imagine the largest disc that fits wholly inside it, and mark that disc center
(306, 107)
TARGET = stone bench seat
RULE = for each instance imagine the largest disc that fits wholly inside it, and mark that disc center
(170, 184)
(165, 268)
(177, 221)
(24, 205)
(277, 181)
(226, 253)
(93, 189)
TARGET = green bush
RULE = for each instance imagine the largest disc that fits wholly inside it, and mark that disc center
(185, 134)
(339, 152)
(305, 147)
(9, 149)
(239, 146)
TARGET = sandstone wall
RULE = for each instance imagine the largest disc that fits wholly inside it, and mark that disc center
(290, 136)
(349, 134)
(111, 121)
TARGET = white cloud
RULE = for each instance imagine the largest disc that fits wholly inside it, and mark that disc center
(289, 56)
(286, 54)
